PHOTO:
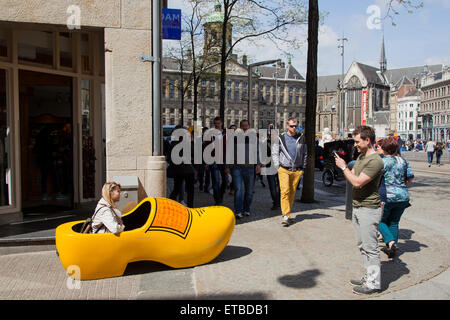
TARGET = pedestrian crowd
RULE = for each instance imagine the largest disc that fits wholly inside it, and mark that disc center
(379, 177)
(238, 178)
(435, 148)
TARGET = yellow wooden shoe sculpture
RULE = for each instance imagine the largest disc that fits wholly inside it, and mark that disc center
(157, 229)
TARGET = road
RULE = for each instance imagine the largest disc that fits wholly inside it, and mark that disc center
(312, 259)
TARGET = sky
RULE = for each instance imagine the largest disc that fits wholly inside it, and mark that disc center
(419, 38)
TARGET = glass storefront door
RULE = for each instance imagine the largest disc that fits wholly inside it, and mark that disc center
(5, 163)
(45, 102)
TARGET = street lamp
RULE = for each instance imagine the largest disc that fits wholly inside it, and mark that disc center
(249, 94)
(276, 95)
(341, 87)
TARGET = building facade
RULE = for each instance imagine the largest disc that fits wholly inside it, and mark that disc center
(364, 95)
(372, 96)
(327, 104)
(409, 124)
(382, 94)
(75, 106)
(278, 91)
(435, 107)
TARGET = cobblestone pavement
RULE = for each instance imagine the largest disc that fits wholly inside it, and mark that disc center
(312, 259)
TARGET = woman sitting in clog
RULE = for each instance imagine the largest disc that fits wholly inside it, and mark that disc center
(107, 218)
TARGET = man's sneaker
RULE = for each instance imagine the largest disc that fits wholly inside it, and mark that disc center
(364, 290)
(358, 282)
(239, 215)
(285, 221)
(247, 214)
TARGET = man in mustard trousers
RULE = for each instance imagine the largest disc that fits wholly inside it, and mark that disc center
(289, 156)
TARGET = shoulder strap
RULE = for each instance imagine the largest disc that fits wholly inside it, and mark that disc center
(95, 213)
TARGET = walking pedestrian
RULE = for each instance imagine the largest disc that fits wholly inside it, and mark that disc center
(439, 148)
(365, 178)
(448, 147)
(183, 172)
(274, 183)
(204, 172)
(243, 174)
(229, 178)
(429, 148)
(218, 176)
(397, 175)
(289, 156)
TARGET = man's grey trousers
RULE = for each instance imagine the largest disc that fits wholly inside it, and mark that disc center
(365, 222)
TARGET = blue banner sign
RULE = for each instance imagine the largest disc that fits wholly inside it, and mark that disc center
(171, 24)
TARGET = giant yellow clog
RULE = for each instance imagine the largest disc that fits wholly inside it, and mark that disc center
(157, 229)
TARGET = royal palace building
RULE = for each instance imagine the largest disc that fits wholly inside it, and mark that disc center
(277, 93)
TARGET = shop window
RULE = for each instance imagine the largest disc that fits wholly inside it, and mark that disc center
(65, 49)
(87, 142)
(5, 178)
(244, 95)
(85, 53)
(35, 46)
(4, 43)
(101, 52)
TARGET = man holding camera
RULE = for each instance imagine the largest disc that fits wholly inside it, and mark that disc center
(365, 178)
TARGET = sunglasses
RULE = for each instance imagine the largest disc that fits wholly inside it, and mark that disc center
(292, 125)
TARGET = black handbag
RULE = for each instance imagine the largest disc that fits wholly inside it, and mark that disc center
(87, 225)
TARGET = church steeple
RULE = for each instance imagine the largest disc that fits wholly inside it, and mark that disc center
(383, 63)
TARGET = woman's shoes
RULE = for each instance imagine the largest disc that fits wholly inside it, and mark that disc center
(390, 251)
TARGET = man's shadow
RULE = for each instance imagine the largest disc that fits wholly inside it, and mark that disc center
(303, 280)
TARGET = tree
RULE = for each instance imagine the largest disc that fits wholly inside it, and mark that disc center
(311, 99)
(409, 5)
(180, 57)
(311, 84)
(252, 19)
(192, 56)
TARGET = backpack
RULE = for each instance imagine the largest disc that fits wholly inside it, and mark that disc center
(87, 225)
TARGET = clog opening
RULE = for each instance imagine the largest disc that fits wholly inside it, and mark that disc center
(138, 216)
(134, 220)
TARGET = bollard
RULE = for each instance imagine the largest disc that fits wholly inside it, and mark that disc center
(348, 195)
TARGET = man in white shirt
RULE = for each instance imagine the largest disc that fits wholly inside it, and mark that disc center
(429, 148)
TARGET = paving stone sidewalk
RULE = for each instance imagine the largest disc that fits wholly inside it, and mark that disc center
(312, 259)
